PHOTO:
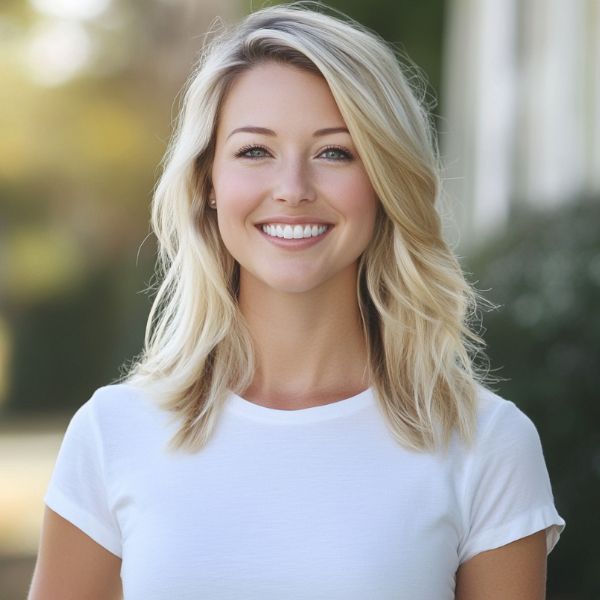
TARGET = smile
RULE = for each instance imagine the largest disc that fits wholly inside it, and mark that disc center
(296, 232)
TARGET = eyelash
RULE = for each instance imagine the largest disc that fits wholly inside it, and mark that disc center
(244, 150)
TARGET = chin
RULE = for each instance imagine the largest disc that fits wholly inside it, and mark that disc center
(289, 282)
(292, 287)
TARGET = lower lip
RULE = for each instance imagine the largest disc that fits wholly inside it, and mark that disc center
(295, 244)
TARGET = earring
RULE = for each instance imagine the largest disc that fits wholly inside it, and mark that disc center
(212, 202)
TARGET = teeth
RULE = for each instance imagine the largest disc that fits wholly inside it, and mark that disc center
(296, 232)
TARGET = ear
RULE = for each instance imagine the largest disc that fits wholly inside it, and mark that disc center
(212, 200)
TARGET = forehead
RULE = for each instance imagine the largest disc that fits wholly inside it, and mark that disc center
(279, 96)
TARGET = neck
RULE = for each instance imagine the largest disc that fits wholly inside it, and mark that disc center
(310, 347)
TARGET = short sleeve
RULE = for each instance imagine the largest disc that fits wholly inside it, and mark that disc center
(507, 492)
(77, 490)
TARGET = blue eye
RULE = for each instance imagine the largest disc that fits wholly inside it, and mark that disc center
(332, 153)
(335, 153)
(251, 152)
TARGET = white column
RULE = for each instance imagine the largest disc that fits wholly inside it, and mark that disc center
(593, 96)
(477, 134)
(551, 161)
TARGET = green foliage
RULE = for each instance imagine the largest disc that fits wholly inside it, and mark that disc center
(545, 274)
(66, 346)
(78, 164)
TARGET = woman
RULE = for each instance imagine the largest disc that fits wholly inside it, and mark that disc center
(305, 420)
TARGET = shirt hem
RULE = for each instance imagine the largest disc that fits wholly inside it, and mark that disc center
(546, 517)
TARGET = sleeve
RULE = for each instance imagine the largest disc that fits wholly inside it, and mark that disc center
(77, 489)
(507, 493)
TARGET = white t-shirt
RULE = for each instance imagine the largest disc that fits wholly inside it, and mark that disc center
(318, 503)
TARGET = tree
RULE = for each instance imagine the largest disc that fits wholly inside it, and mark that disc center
(545, 337)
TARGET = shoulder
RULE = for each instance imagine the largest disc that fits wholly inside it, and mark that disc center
(115, 408)
(502, 425)
(505, 438)
(118, 423)
(116, 399)
(505, 490)
(507, 453)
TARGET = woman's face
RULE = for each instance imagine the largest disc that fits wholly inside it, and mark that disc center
(295, 206)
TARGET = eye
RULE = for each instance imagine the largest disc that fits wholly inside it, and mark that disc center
(336, 153)
(252, 151)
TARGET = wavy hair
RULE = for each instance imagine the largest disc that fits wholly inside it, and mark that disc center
(415, 304)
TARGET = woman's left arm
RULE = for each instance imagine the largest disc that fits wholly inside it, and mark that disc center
(516, 571)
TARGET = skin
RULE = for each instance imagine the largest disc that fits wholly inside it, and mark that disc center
(72, 566)
(300, 305)
(517, 570)
(317, 344)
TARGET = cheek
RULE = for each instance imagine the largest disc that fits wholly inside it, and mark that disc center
(358, 202)
(236, 197)
(362, 210)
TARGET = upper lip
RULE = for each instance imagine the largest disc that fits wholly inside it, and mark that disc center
(293, 220)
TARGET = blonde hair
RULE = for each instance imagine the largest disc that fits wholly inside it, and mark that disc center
(414, 301)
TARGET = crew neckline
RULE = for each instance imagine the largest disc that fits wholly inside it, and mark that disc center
(244, 408)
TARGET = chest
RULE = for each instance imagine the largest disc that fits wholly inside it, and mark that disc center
(305, 520)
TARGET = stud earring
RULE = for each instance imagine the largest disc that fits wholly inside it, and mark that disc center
(212, 202)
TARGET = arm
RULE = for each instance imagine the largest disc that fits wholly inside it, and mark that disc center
(516, 570)
(72, 566)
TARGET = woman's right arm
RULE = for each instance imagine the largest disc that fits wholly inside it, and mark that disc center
(72, 566)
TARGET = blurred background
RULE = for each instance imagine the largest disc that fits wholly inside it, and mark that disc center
(88, 93)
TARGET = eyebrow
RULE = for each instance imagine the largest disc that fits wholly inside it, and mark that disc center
(265, 131)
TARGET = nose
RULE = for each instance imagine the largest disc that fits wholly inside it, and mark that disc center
(294, 183)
